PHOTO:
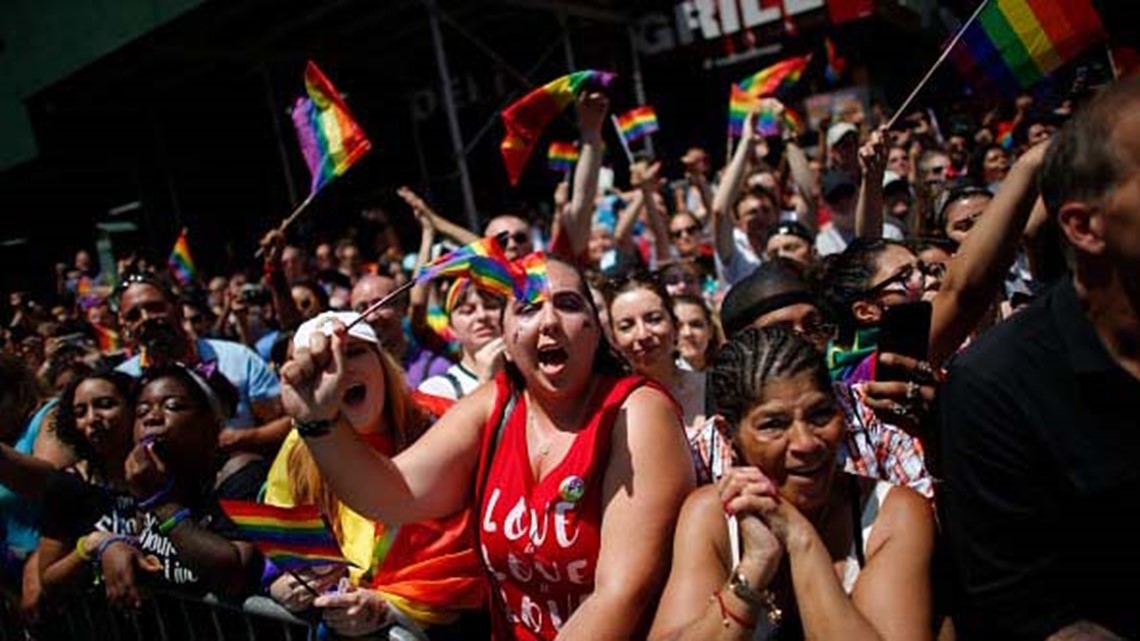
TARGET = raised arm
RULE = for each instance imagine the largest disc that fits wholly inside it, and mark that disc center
(418, 299)
(648, 476)
(431, 479)
(978, 270)
(729, 190)
(455, 232)
(805, 182)
(592, 109)
(869, 208)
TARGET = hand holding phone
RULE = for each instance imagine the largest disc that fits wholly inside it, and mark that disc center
(905, 330)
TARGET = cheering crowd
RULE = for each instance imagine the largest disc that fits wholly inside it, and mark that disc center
(882, 387)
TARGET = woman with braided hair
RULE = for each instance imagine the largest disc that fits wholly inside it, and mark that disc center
(787, 546)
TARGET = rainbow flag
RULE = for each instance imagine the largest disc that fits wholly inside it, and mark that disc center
(530, 277)
(290, 537)
(331, 141)
(561, 156)
(771, 80)
(637, 123)
(108, 339)
(459, 261)
(833, 71)
(437, 323)
(180, 262)
(527, 118)
(1015, 43)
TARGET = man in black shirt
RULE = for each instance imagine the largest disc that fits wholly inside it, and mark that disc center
(1041, 416)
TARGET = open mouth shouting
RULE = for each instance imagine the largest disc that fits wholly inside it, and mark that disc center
(552, 359)
(355, 396)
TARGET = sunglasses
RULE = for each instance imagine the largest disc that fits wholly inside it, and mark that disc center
(520, 237)
(904, 276)
(691, 230)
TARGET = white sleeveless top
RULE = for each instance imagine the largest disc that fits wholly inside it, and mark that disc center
(852, 567)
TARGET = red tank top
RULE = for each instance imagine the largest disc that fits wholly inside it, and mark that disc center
(540, 539)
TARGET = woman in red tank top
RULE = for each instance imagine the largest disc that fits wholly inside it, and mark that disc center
(578, 470)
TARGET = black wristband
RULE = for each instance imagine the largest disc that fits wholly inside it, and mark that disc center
(315, 428)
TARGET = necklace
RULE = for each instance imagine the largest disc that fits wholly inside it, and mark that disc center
(543, 448)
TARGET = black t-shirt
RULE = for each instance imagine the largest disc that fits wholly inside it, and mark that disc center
(73, 508)
(1040, 436)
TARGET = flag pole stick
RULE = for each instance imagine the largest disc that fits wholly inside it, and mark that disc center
(383, 301)
(1112, 62)
(937, 63)
(624, 144)
(289, 220)
(304, 583)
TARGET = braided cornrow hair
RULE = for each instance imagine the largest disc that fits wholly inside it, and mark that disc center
(752, 359)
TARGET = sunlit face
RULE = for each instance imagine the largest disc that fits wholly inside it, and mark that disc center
(792, 434)
(790, 246)
(754, 215)
(935, 169)
(364, 391)
(934, 256)
(898, 162)
(899, 278)
(476, 320)
(682, 279)
(601, 241)
(387, 321)
(141, 302)
(802, 318)
(306, 301)
(962, 214)
(102, 416)
(995, 164)
(168, 413)
(513, 234)
(685, 232)
(643, 330)
(540, 337)
(694, 331)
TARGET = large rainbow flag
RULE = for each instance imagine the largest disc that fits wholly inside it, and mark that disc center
(331, 141)
(1015, 43)
(527, 118)
(637, 123)
(180, 262)
(771, 80)
(290, 537)
(458, 262)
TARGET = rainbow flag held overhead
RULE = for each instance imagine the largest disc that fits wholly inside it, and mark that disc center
(530, 274)
(331, 140)
(458, 262)
(291, 537)
(771, 80)
(561, 156)
(1015, 43)
(527, 118)
(180, 262)
(637, 123)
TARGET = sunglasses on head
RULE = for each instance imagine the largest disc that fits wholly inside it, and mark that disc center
(520, 237)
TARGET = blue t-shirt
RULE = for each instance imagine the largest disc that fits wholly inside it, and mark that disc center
(241, 365)
(20, 517)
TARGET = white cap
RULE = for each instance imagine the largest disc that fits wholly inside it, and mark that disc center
(836, 132)
(323, 323)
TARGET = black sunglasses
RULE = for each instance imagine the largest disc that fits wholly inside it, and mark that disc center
(691, 230)
(519, 237)
(903, 276)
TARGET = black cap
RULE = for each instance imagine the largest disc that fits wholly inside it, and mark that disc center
(790, 228)
(834, 182)
(774, 285)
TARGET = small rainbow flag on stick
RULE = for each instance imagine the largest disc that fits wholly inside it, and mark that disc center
(637, 123)
(770, 80)
(330, 138)
(458, 262)
(527, 117)
(291, 537)
(561, 156)
(1016, 43)
(180, 262)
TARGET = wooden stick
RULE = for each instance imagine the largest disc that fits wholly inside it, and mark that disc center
(621, 137)
(937, 63)
(303, 583)
(289, 220)
(383, 301)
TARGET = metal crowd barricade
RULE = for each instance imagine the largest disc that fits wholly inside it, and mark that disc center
(173, 616)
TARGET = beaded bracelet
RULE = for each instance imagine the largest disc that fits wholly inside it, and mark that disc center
(111, 540)
(175, 519)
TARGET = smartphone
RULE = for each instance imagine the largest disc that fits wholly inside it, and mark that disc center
(904, 329)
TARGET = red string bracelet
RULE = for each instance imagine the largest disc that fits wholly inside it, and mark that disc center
(726, 614)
